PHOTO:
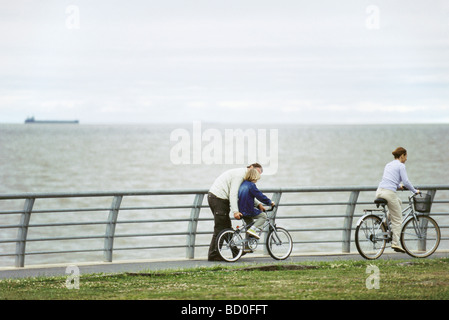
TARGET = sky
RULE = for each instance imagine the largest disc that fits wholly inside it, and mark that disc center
(234, 61)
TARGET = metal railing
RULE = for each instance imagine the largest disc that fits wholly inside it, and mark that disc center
(300, 210)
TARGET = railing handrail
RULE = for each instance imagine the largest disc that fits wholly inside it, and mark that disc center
(26, 195)
(191, 232)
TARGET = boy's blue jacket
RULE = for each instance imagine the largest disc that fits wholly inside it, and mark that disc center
(247, 192)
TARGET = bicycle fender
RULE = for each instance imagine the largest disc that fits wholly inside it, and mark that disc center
(361, 218)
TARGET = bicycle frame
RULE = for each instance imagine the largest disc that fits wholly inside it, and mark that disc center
(269, 223)
(406, 213)
(232, 244)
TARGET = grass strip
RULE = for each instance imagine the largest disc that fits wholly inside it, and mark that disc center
(418, 279)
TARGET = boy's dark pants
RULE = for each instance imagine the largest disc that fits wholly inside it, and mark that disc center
(220, 209)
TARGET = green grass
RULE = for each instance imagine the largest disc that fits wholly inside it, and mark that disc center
(398, 279)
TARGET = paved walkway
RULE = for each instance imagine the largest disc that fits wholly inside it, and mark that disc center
(153, 265)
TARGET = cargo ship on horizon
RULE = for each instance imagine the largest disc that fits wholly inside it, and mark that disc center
(32, 120)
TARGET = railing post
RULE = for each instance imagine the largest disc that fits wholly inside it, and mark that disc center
(193, 223)
(22, 232)
(423, 224)
(276, 198)
(432, 193)
(347, 224)
(110, 228)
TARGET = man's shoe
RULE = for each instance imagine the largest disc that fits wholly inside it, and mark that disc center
(253, 233)
(217, 258)
(397, 249)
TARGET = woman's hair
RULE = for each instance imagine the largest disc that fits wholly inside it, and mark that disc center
(252, 175)
(399, 152)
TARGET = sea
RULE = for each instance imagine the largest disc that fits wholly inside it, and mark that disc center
(46, 158)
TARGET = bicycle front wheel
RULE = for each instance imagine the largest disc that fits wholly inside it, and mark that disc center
(370, 237)
(279, 244)
(230, 245)
(420, 237)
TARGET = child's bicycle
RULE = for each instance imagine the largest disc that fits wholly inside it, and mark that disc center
(420, 234)
(232, 243)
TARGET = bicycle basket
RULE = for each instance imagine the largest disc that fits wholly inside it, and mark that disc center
(422, 203)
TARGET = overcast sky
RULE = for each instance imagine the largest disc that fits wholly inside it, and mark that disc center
(140, 61)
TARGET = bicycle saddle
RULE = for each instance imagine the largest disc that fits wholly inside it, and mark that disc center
(380, 202)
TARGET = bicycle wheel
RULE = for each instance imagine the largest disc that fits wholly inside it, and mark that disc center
(370, 238)
(420, 237)
(230, 245)
(279, 243)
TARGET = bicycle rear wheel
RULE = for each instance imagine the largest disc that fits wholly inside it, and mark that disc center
(230, 245)
(370, 238)
(420, 237)
(279, 244)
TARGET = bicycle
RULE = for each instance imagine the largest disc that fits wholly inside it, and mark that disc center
(231, 244)
(420, 234)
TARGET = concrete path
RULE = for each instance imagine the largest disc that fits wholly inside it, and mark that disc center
(154, 265)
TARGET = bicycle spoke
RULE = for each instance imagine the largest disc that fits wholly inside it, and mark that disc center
(420, 236)
(279, 244)
(230, 245)
(370, 237)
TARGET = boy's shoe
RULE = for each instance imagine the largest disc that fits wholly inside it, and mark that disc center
(246, 250)
(253, 233)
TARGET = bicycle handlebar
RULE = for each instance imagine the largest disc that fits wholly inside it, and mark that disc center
(404, 188)
(271, 208)
(412, 194)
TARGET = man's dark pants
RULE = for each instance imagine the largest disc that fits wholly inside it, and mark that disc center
(220, 209)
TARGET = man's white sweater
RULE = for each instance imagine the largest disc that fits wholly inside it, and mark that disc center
(227, 185)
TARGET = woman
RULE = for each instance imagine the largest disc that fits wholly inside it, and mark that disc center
(394, 174)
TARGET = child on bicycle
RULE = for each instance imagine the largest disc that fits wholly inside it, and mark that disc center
(248, 192)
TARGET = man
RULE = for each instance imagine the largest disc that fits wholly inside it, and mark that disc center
(222, 199)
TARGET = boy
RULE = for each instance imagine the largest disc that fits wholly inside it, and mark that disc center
(247, 192)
